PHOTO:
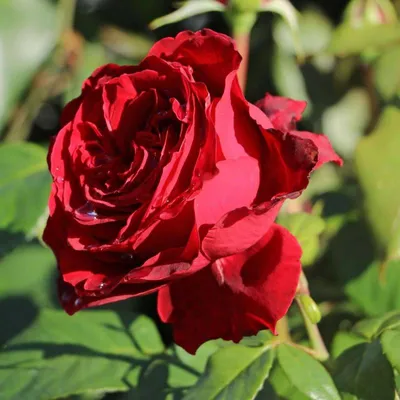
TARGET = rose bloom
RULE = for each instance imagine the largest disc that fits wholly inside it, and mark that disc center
(166, 179)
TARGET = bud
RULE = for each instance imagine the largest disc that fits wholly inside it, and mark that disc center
(370, 12)
(309, 307)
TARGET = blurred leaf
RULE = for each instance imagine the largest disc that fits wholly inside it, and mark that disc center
(377, 291)
(24, 186)
(306, 374)
(59, 355)
(314, 33)
(307, 228)
(364, 371)
(129, 45)
(93, 56)
(236, 372)
(288, 78)
(353, 112)
(27, 34)
(187, 9)
(387, 74)
(291, 18)
(347, 40)
(378, 163)
(343, 341)
(391, 347)
(28, 271)
(367, 328)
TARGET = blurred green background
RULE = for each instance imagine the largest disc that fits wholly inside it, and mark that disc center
(348, 220)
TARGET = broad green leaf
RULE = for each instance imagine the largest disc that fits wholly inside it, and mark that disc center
(376, 291)
(283, 386)
(377, 163)
(234, 372)
(27, 34)
(368, 328)
(59, 355)
(28, 271)
(364, 371)
(353, 112)
(374, 327)
(307, 229)
(24, 186)
(347, 40)
(387, 74)
(343, 341)
(391, 347)
(188, 9)
(305, 373)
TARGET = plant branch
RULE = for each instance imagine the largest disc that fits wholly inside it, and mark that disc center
(313, 332)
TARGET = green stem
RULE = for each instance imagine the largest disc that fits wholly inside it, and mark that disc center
(282, 328)
(312, 329)
(242, 24)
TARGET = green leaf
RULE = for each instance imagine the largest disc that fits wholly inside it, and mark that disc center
(347, 40)
(24, 186)
(306, 374)
(186, 10)
(307, 228)
(343, 341)
(283, 386)
(387, 75)
(28, 271)
(374, 327)
(59, 355)
(353, 112)
(391, 347)
(377, 172)
(25, 23)
(234, 372)
(364, 371)
(376, 291)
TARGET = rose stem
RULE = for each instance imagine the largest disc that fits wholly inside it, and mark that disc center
(242, 24)
(312, 329)
(282, 329)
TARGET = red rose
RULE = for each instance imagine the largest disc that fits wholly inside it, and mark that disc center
(166, 178)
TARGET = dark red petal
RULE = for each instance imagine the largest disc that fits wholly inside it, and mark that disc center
(325, 150)
(212, 56)
(237, 296)
(73, 302)
(283, 112)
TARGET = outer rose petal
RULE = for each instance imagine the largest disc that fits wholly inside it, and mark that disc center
(325, 150)
(283, 112)
(237, 296)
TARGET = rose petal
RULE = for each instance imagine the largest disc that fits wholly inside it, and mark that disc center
(325, 149)
(283, 112)
(211, 55)
(238, 296)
